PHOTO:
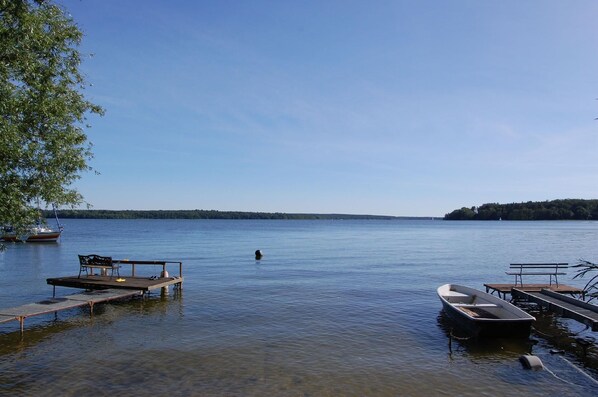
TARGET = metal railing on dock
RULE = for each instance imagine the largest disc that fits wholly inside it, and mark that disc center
(134, 263)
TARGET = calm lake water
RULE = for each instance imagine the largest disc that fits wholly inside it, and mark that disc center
(334, 308)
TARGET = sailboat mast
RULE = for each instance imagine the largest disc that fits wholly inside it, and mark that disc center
(56, 217)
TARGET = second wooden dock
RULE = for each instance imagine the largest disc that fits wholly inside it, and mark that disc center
(504, 289)
(563, 305)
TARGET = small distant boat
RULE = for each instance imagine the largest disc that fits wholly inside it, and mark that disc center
(35, 234)
(39, 233)
(482, 314)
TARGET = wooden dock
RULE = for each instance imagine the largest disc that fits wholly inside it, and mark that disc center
(563, 305)
(51, 305)
(132, 281)
(504, 289)
(97, 282)
(99, 288)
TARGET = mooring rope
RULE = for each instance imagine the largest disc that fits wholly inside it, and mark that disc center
(588, 376)
(450, 340)
(460, 337)
(575, 367)
(580, 371)
(558, 377)
(542, 333)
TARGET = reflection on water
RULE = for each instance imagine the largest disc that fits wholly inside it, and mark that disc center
(483, 348)
(553, 340)
(333, 308)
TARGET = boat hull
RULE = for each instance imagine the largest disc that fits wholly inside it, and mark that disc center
(493, 329)
(51, 236)
(483, 315)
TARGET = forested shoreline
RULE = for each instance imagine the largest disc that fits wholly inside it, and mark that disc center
(568, 209)
(203, 214)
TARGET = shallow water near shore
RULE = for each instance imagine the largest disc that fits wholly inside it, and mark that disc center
(334, 308)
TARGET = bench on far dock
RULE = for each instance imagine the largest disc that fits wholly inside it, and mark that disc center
(537, 269)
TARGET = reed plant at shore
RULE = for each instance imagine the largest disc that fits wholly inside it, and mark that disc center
(584, 268)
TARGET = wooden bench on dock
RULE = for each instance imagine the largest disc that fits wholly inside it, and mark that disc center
(537, 269)
(89, 262)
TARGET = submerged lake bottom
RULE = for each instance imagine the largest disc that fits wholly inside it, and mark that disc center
(334, 308)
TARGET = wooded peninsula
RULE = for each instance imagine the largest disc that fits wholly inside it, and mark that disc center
(568, 209)
(204, 214)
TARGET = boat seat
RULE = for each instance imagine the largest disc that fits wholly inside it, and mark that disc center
(486, 305)
(456, 294)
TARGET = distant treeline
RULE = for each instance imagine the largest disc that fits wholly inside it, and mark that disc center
(201, 214)
(570, 209)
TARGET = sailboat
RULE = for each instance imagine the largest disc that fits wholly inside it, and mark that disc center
(39, 233)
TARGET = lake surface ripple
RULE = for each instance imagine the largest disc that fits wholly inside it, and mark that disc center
(334, 308)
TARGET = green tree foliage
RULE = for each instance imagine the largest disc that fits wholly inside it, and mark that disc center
(570, 209)
(463, 214)
(43, 147)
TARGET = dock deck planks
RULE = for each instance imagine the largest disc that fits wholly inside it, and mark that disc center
(5, 319)
(52, 305)
(42, 307)
(103, 282)
(583, 312)
(505, 289)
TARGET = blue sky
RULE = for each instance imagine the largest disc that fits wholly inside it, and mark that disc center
(386, 107)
